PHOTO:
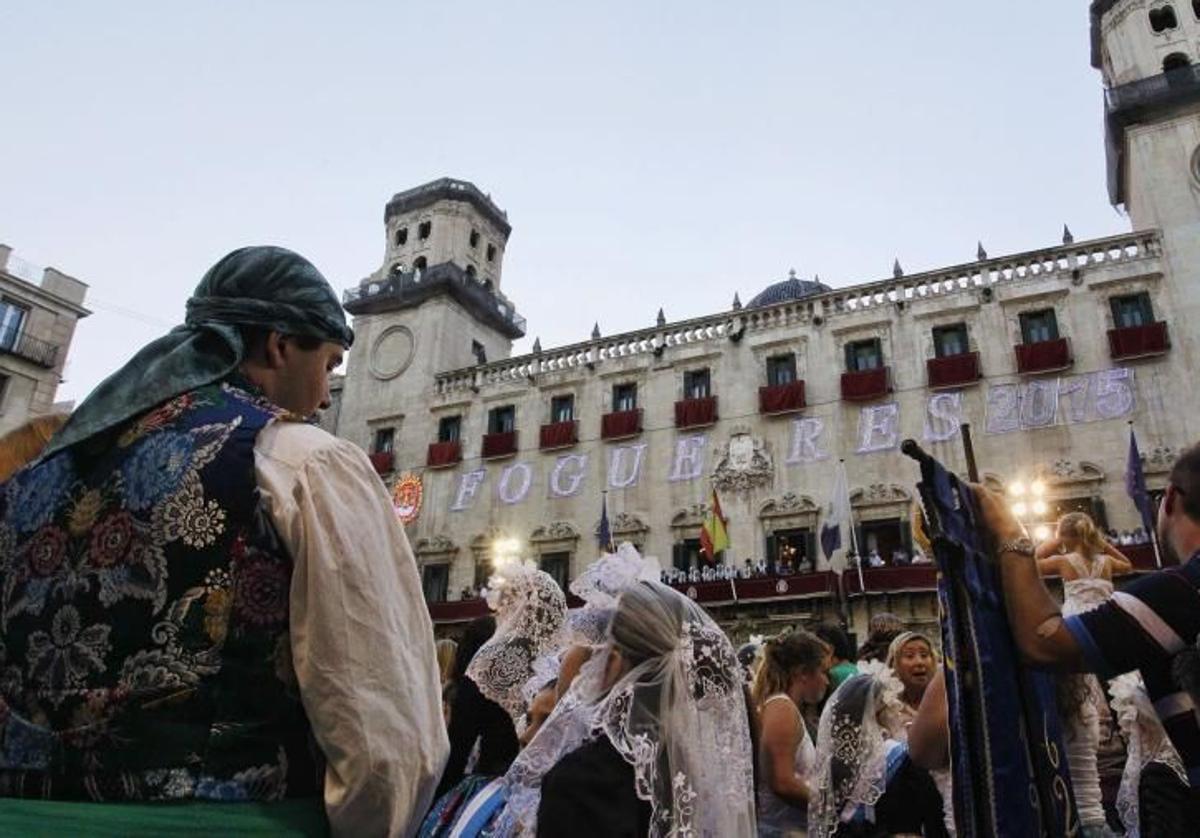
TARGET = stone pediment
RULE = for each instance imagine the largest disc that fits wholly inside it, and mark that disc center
(690, 516)
(482, 543)
(434, 545)
(789, 503)
(880, 494)
(1069, 472)
(557, 531)
(1159, 459)
(624, 523)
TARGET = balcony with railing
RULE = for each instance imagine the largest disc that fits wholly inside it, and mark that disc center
(781, 398)
(866, 385)
(1139, 341)
(621, 424)
(1044, 356)
(443, 454)
(503, 444)
(1128, 102)
(1131, 254)
(558, 435)
(383, 461)
(953, 370)
(406, 289)
(696, 413)
(40, 352)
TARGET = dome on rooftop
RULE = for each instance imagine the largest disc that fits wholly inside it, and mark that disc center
(788, 290)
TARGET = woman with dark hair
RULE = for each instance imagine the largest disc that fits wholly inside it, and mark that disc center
(881, 631)
(474, 717)
(842, 657)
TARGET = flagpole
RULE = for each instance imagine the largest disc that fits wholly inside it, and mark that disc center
(862, 584)
(1139, 482)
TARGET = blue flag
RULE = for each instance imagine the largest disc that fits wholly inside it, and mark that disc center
(1135, 483)
(604, 533)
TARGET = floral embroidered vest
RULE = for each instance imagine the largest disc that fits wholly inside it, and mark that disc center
(144, 650)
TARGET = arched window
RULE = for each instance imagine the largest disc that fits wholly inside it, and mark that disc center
(419, 264)
(1196, 8)
(475, 233)
(424, 229)
(1163, 19)
(471, 271)
(1176, 61)
(402, 233)
(397, 268)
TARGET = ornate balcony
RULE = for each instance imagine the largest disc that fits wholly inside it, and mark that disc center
(781, 398)
(559, 435)
(866, 385)
(1044, 356)
(444, 454)
(953, 370)
(1139, 341)
(499, 445)
(696, 413)
(621, 424)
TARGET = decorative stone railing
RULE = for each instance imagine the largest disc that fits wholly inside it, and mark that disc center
(1056, 263)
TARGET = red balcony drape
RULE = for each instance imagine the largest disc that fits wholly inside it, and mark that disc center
(1139, 341)
(443, 454)
(692, 413)
(622, 423)
(382, 460)
(953, 370)
(1044, 356)
(781, 398)
(558, 435)
(500, 445)
(865, 385)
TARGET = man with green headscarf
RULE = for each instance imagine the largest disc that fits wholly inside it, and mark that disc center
(207, 600)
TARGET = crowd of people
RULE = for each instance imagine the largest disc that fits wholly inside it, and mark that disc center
(211, 621)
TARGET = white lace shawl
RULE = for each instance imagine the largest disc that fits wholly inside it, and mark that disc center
(1146, 742)
(678, 718)
(853, 743)
(530, 610)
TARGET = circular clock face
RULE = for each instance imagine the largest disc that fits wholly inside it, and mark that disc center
(392, 352)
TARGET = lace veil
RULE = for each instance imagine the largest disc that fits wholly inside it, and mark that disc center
(1147, 742)
(530, 611)
(678, 716)
(852, 748)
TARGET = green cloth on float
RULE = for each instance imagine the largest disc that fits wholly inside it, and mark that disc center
(266, 287)
(839, 673)
(54, 818)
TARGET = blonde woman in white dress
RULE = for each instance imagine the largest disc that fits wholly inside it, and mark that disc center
(1086, 563)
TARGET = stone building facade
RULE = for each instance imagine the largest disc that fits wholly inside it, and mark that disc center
(1049, 356)
(38, 312)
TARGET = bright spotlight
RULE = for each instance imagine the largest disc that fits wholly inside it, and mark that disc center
(1019, 509)
(1016, 488)
(1039, 507)
(1041, 533)
(1038, 488)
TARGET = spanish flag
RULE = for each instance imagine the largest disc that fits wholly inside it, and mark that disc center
(713, 536)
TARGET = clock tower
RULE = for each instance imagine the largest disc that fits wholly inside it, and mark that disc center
(434, 305)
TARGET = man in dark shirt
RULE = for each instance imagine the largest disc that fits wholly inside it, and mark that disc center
(1143, 627)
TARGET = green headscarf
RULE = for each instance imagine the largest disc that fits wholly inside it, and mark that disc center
(266, 287)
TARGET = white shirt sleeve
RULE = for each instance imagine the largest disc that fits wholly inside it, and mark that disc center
(362, 641)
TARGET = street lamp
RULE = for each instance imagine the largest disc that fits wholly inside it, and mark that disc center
(1030, 498)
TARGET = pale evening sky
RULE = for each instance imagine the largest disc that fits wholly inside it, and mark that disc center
(648, 154)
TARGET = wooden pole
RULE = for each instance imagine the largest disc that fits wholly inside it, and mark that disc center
(969, 450)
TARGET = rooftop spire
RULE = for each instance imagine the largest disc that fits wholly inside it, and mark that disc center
(897, 271)
(1068, 237)
(661, 320)
(981, 254)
